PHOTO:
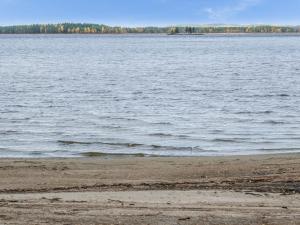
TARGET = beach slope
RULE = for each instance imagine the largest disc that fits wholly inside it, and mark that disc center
(137, 190)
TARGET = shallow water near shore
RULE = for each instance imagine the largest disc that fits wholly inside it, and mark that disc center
(70, 95)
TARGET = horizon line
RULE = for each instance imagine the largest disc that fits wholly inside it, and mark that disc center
(159, 26)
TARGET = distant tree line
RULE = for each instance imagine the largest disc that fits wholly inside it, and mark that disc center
(234, 29)
(79, 28)
(76, 28)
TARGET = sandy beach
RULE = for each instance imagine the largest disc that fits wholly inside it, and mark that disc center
(139, 190)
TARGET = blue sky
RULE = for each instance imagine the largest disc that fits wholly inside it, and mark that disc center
(150, 12)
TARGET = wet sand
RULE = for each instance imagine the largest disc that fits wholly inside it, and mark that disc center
(137, 190)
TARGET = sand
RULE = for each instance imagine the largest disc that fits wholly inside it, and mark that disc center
(136, 190)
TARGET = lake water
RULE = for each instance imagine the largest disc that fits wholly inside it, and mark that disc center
(63, 95)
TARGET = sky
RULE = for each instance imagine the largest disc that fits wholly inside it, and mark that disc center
(151, 12)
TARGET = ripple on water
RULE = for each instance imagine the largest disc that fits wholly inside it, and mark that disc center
(146, 95)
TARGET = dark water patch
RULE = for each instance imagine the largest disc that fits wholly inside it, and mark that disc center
(283, 95)
(9, 111)
(168, 135)
(182, 136)
(20, 119)
(273, 122)
(111, 127)
(98, 116)
(263, 142)
(176, 148)
(137, 93)
(8, 132)
(255, 112)
(128, 145)
(193, 90)
(230, 140)
(156, 89)
(19, 106)
(217, 131)
(56, 106)
(161, 135)
(162, 123)
(75, 142)
(122, 118)
(288, 138)
(249, 120)
(270, 95)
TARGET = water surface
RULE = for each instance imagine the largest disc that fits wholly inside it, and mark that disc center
(63, 95)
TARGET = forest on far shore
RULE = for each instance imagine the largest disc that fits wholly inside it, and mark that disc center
(84, 28)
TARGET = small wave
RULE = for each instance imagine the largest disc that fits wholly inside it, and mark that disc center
(271, 95)
(193, 90)
(174, 148)
(217, 131)
(74, 142)
(8, 132)
(111, 127)
(156, 89)
(19, 106)
(137, 93)
(102, 154)
(120, 118)
(253, 112)
(288, 138)
(129, 145)
(9, 111)
(273, 122)
(229, 140)
(182, 136)
(134, 145)
(161, 135)
(168, 135)
(123, 118)
(283, 95)
(163, 123)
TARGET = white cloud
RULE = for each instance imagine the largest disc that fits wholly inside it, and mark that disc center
(230, 10)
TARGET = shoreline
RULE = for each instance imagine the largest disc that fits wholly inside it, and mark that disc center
(151, 190)
(156, 34)
(107, 156)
